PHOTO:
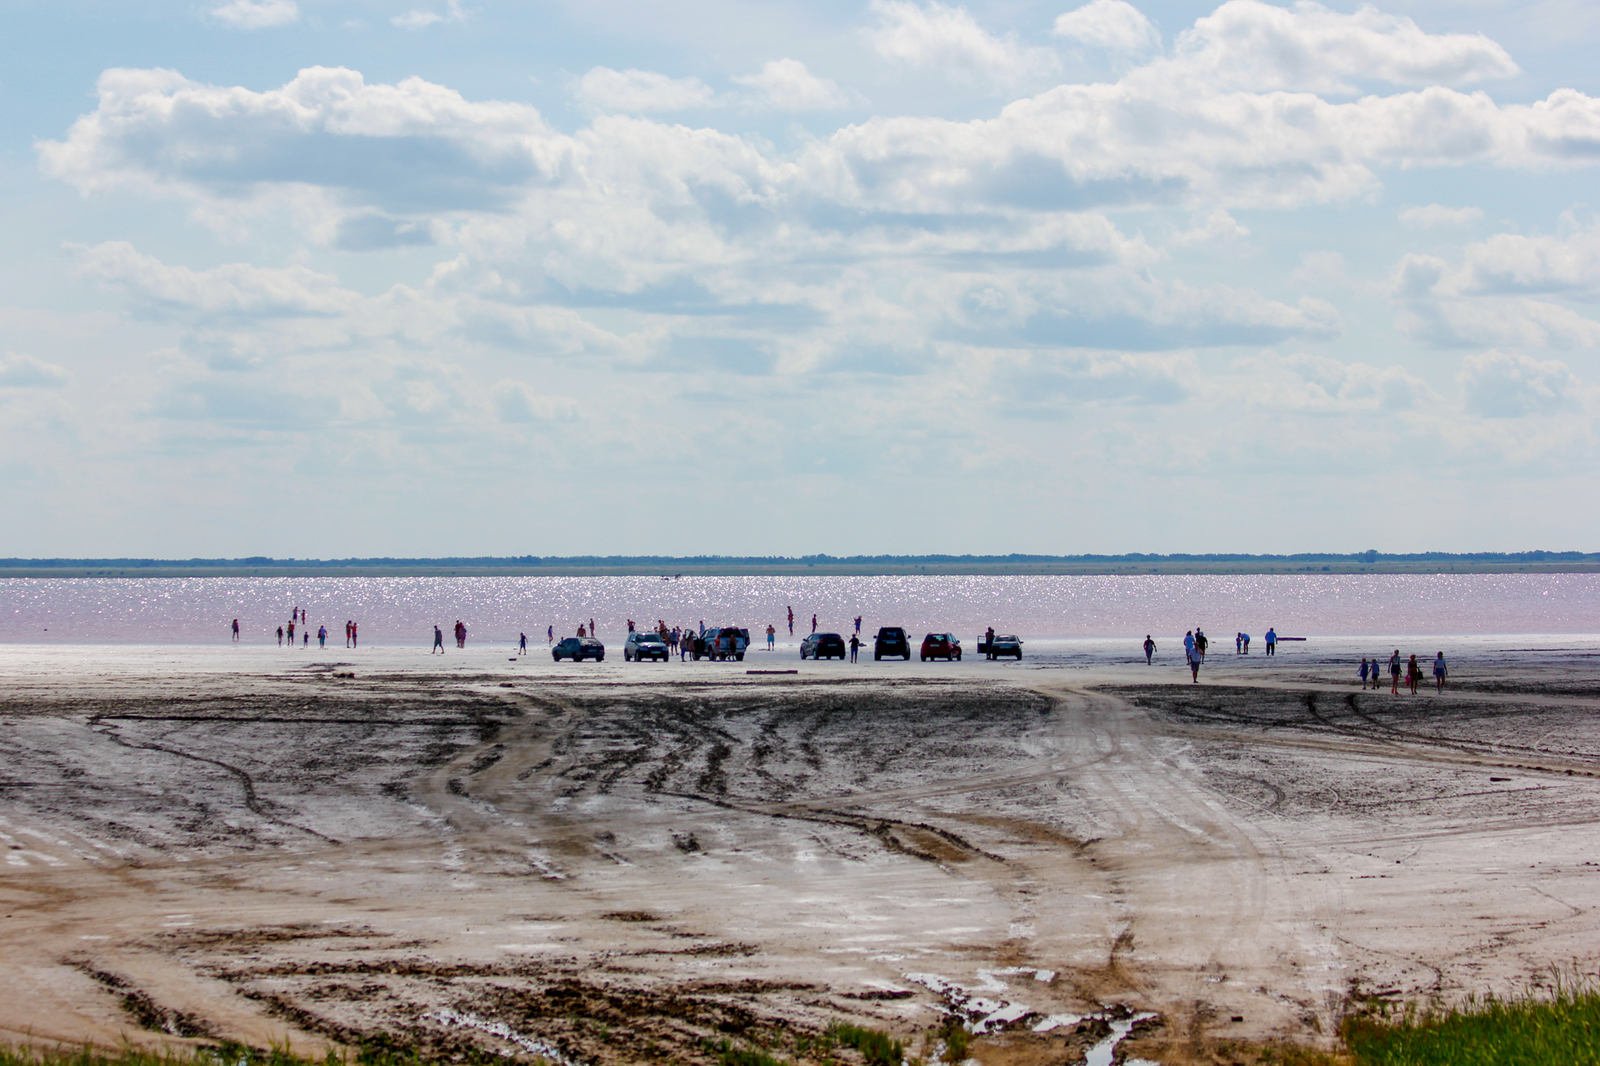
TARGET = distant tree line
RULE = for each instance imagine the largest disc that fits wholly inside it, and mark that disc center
(667, 562)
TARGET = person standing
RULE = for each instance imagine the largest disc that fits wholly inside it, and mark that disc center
(235, 630)
(1272, 641)
(1394, 673)
(583, 630)
(1439, 671)
(813, 623)
(1363, 673)
(988, 641)
(305, 636)
(355, 635)
(1149, 649)
(291, 630)
(438, 641)
(594, 630)
(772, 637)
(322, 636)
(280, 636)
(630, 625)
(1246, 637)
(855, 646)
(1238, 644)
(791, 621)
(1413, 673)
(550, 634)
(858, 625)
(522, 643)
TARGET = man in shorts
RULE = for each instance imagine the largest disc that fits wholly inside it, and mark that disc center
(1439, 671)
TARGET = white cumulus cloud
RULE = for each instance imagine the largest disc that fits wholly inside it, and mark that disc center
(604, 89)
(787, 85)
(1255, 45)
(257, 14)
(1507, 385)
(1112, 25)
(949, 40)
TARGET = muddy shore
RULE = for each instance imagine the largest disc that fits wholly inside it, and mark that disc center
(611, 863)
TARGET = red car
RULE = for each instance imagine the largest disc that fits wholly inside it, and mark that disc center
(940, 646)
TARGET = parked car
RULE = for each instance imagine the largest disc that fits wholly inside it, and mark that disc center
(1000, 646)
(940, 646)
(578, 649)
(728, 642)
(642, 646)
(822, 646)
(891, 640)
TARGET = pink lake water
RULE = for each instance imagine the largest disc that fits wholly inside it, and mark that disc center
(403, 610)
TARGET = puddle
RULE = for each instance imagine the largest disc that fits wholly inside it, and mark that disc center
(1100, 1054)
(447, 1016)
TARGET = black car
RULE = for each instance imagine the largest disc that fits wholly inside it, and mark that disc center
(641, 646)
(891, 640)
(578, 649)
(822, 646)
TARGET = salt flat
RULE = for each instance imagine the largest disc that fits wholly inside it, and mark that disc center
(606, 862)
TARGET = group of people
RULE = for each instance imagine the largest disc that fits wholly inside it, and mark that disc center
(1411, 669)
(1195, 643)
(298, 621)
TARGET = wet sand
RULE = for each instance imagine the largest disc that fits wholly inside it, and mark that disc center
(609, 862)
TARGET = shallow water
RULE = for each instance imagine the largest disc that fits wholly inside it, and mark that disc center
(403, 610)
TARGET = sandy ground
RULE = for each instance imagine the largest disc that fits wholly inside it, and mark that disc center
(609, 862)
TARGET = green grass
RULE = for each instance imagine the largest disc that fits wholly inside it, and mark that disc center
(1556, 1029)
(877, 1048)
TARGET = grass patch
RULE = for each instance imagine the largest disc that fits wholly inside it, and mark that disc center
(877, 1048)
(1530, 1030)
(730, 1054)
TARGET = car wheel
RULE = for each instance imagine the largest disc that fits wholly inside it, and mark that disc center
(876, 656)
(740, 656)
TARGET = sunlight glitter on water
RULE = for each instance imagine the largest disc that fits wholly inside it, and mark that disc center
(393, 610)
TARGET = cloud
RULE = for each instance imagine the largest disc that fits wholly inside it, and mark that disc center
(1218, 227)
(517, 401)
(1317, 384)
(257, 14)
(26, 372)
(950, 41)
(234, 289)
(1439, 215)
(1253, 45)
(787, 85)
(1112, 25)
(604, 89)
(1507, 385)
(422, 18)
(1491, 294)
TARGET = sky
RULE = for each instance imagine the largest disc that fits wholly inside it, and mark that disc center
(333, 278)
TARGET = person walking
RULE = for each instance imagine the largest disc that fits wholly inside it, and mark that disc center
(772, 637)
(1394, 673)
(1272, 641)
(1413, 673)
(235, 630)
(522, 643)
(550, 634)
(291, 632)
(1191, 648)
(1439, 671)
(1363, 673)
(855, 646)
(1200, 641)
(438, 641)
(322, 636)
(1149, 649)
(280, 636)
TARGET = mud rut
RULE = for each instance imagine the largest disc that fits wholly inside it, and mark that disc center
(612, 874)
